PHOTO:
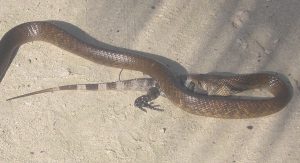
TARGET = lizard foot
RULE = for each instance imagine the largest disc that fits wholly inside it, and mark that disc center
(144, 102)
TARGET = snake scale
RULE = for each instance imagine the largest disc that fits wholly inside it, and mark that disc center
(211, 105)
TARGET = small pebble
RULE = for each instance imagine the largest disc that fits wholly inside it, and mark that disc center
(250, 127)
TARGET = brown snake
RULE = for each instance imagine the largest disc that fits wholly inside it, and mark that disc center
(195, 103)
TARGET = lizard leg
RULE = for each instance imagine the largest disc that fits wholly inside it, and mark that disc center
(145, 101)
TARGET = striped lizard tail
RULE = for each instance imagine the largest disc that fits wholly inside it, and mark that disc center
(138, 84)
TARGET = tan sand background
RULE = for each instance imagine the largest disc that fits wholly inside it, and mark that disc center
(238, 36)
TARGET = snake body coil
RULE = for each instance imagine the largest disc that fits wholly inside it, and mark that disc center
(199, 104)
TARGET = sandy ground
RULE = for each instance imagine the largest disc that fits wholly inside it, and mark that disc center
(238, 36)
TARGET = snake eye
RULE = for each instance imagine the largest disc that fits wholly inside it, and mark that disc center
(191, 86)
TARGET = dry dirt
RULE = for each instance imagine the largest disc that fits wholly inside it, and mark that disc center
(237, 36)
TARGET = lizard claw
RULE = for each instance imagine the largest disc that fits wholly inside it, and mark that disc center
(143, 103)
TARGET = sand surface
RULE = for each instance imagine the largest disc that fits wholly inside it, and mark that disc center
(204, 36)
